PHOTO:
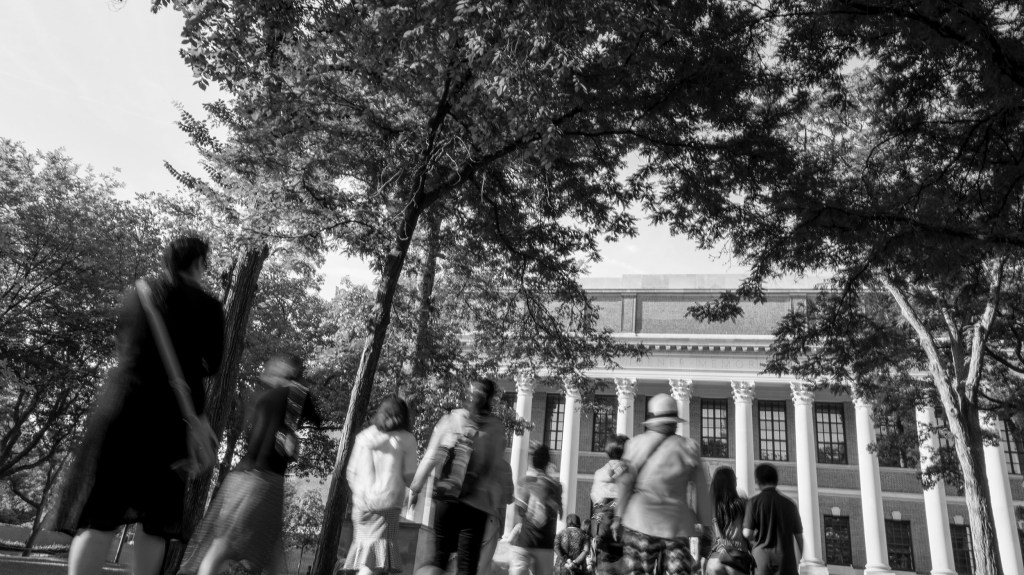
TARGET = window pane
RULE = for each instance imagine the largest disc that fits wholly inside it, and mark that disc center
(963, 557)
(831, 432)
(901, 548)
(771, 420)
(838, 550)
(508, 400)
(1011, 447)
(554, 421)
(606, 410)
(714, 427)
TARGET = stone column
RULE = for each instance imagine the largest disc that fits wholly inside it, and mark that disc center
(870, 493)
(682, 392)
(1002, 499)
(570, 454)
(520, 443)
(807, 480)
(743, 399)
(940, 543)
(625, 388)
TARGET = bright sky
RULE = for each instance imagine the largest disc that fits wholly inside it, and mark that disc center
(102, 84)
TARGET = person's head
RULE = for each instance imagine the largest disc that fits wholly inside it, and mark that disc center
(765, 475)
(724, 497)
(282, 367)
(186, 256)
(540, 458)
(615, 446)
(586, 526)
(481, 396)
(572, 520)
(393, 414)
(664, 414)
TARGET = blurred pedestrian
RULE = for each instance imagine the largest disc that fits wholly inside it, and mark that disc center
(730, 552)
(604, 494)
(147, 432)
(571, 548)
(467, 445)
(656, 519)
(539, 504)
(503, 494)
(382, 465)
(245, 520)
(772, 525)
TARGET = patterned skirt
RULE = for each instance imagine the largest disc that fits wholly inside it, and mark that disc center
(248, 513)
(649, 555)
(374, 534)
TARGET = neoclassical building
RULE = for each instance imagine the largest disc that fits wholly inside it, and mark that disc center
(860, 515)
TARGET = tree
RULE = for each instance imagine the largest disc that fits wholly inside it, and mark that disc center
(904, 178)
(302, 520)
(509, 121)
(68, 250)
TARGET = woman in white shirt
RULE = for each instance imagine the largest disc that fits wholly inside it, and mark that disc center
(383, 464)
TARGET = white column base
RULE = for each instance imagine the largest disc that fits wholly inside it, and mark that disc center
(807, 568)
(943, 572)
(882, 570)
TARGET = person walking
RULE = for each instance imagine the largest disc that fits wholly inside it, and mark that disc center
(466, 444)
(136, 452)
(572, 546)
(730, 553)
(539, 504)
(604, 494)
(382, 465)
(503, 492)
(772, 525)
(246, 517)
(656, 519)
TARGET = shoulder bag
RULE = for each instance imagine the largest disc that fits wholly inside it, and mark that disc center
(201, 441)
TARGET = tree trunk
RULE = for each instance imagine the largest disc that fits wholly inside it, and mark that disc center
(339, 494)
(221, 389)
(233, 431)
(425, 305)
(120, 543)
(965, 428)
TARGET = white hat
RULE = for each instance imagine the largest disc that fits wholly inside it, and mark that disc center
(663, 409)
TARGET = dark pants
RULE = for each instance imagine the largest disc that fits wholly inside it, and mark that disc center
(458, 528)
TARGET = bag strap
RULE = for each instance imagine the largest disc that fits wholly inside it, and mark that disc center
(163, 340)
(657, 446)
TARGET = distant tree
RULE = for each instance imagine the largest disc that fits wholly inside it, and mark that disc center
(68, 251)
(904, 178)
(303, 518)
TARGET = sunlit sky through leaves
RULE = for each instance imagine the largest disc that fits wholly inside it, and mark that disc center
(101, 83)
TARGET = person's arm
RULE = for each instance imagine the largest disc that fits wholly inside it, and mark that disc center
(799, 544)
(213, 338)
(431, 458)
(749, 529)
(700, 483)
(581, 559)
(559, 541)
(408, 445)
(359, 472)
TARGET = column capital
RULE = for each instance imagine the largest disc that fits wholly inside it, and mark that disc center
(802, 392)
(743, 391)
(625, 387)
(682, 389)
(525, 384)
(861, 402)
(572, 392)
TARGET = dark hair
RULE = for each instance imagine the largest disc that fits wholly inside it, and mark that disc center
(726, 501)
(586, 526)
(572, 520)
(393, 414)
(615, 446)
(481, 396)
(766, 474)
(541, 457)
(183, 251)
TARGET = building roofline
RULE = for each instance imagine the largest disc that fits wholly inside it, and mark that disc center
(668, 283)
